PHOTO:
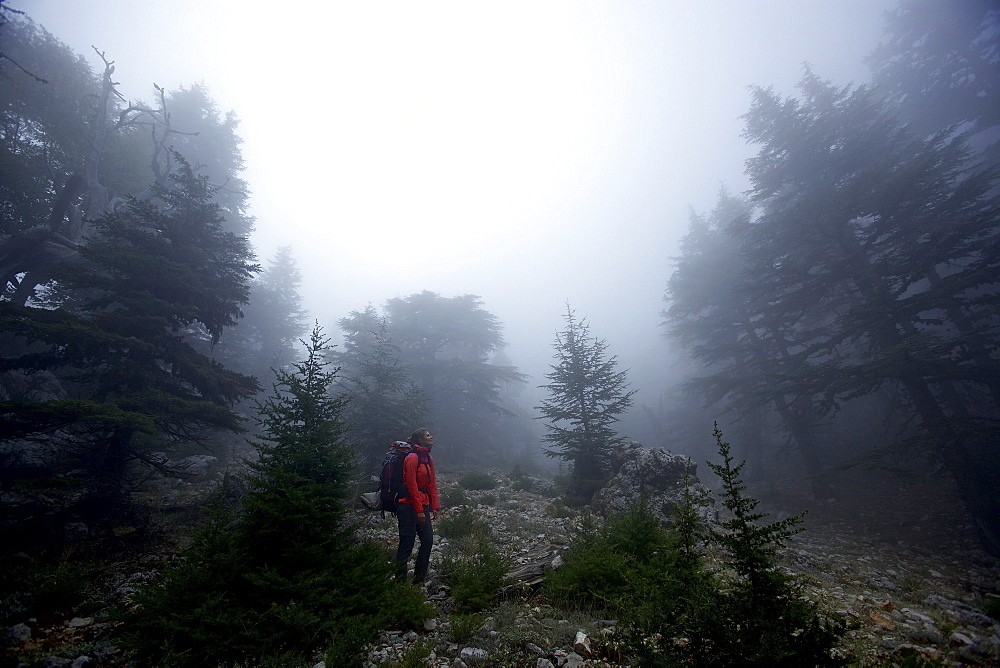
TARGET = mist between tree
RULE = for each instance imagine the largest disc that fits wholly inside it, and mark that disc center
(839, 317)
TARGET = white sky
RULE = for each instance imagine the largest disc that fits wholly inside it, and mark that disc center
(527, 152)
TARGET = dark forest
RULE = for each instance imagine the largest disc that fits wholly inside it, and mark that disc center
(812, 479)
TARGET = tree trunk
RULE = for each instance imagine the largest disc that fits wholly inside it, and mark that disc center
(977, 485)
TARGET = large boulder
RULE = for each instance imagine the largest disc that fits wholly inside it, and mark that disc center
(653, 476)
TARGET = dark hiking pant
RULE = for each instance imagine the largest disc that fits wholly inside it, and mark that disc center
(409, 529)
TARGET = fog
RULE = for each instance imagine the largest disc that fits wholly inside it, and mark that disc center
(529, 153)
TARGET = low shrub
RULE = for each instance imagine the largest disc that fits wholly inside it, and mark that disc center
(462, 523)
(465, 627)
(476, 570)
(523, 484)
(608, 567)
(414, 657)
(488, 499)
(452, 497)
(675, 611)
(477, 480)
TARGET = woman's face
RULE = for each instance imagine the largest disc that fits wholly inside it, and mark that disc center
(427, 440)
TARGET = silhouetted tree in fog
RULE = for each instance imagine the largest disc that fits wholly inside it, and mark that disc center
(869, 237)
(72, 150)
(447, 344)
(265, 339)
(939, 66)
(750, 362)
(587, 396)
(383, 402)
(129, 382)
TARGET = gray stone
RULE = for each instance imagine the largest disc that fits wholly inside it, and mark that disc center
(544, 663)
(19, 633)
(81, 661)
(195, 464)
(473, 655)
(959, 611)
(961, 639)
(882, 582)
(56, 662)
(76, 530)
(532, 648)
(574, 660)
(582, 643)
(653, 475)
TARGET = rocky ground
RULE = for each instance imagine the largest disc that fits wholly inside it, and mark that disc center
(898, 560)
(901, 597)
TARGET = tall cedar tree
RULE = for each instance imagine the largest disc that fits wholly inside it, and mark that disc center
(448, 345)
(587, 396)
(288, 578)
(750, 362)
(383, 402)
(119, 346)
(267, 336)
(881, 249)
(938, 63)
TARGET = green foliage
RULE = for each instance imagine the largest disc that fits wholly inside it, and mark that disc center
(451, 345)
(477, 480)
(675, 611)
(383, 401)
(452, 497)
(752, 546)
(156, 277)
(462, 523)
(31, 590)
(605, 567)
(465, 627)
(587, 396)
(281, 577)
(474, 567)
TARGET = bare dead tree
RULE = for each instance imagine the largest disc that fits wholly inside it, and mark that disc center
(28, 259)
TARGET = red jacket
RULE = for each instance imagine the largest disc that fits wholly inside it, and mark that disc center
(421, 482)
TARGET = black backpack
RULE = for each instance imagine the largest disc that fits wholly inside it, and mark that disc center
(391, 485)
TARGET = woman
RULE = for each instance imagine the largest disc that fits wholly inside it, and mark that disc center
(418, 507)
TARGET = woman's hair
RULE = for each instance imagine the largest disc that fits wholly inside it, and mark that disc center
(415, 437)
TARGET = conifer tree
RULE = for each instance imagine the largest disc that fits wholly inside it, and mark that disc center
(383, 402)
(287, 578)
(765, 619)
(587, 396)
(158, 275)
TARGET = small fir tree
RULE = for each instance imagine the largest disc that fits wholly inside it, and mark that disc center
(286, 579)
(770, 623)
(587, 396)
(676, 611)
